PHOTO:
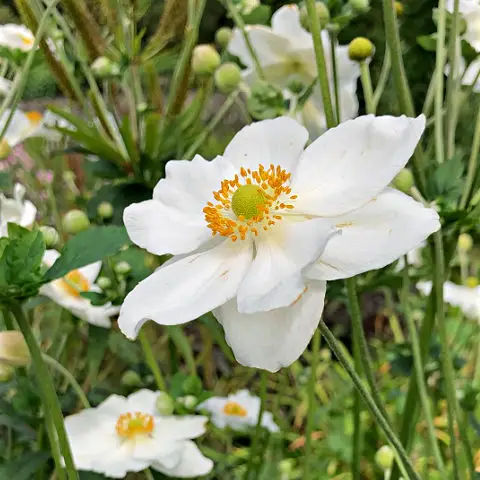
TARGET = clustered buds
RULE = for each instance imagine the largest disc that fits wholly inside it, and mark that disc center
(50, 236)
(227, 77)
(223, 37)
(205, 60)
(75, 221)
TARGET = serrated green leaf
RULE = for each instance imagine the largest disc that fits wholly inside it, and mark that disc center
(87, 247)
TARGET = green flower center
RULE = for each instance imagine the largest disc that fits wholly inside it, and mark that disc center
(247, 201)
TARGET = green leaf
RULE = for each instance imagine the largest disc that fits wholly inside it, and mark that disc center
(428, 42)
(87, 247)
(128, 351)
(104, 169)
(5, 180)
(447, 179)
(259, 15)
(24, 467)
(96, 299)
(98, 338)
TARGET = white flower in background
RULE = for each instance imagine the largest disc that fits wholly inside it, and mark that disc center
(5, 86)
(16, 37)
(237, 411)
(22, 126)
(124, 435)
(16, 210)
(414, 258)
(264, 217)
(286, 54)
(470, 10)
(66, 292)
(466, 297)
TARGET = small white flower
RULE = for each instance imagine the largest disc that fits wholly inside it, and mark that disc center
(66, 292)
(16, 210)
(16, 37)
(466, 297)
(264, 226)
(5, 86)
(470, 10)
(124, 435)
(22, 126)
(237, 411)
(286, 53)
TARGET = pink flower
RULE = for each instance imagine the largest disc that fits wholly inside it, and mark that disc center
(45, 177)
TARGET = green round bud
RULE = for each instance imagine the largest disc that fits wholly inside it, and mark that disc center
(188, 401)
(142, 107)
(122, 268)
(404, 180)
(360, 6)
(286, 466)
(164, 404)
(465, 242)
(462, 26)
(227, 77)
(322, 13)
(103, 67)
(384, 458)
(6, 373)
(325, 354)
(399, 8)
(131, 379)
(104, 283)
(360, 49)
(205, 60)
(50, 236)
(105, 210)
(13, 349)
(75, 221)
(223, 36)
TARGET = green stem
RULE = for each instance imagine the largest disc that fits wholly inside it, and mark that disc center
(336, 89)
(45, 384)
(357, 419)
(321, 63)
(367, 87)
(311, 404)
(383, 78)
(148, 474)
(427, 105)
(151, 360)
(368, 399)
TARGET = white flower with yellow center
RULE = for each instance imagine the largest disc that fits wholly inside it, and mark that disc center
(246, 229)
(16, 37)
(286, 54)
(466, 297)
(16, 210)
(237, 411)
(22, 126)
(66, 292)
(124, 435)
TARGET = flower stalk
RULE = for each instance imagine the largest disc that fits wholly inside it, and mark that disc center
(151, 360)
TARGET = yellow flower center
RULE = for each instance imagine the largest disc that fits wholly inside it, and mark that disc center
(26, 40)
(234, 409)
(34, 117)
(130, 425)
(74, 283)
(250, 201)
(471, 282)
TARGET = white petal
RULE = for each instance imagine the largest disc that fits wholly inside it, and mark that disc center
(282, 252)
(375, 235)
(114, 405)
(213, 404)
(192, 464)
(352, 163)
(29, 214)
(91, 271)
(187, 288)
(268, 423)
(180, 428)
(50, 257)
(471, 75)
(275, 339)
(118, 462)
(279, 142)
(143, 401)
(159, 450)
(5, 86)
(286, 22)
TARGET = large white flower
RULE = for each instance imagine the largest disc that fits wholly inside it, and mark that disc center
(16, 210)
(285, 52)
(470, 10)
(16, 37)
(466, 297)
(126, 435)
(22, 126)
(237, 411)
(66, 292)
(245, 227)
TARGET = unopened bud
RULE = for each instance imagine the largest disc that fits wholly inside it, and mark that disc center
(223, 36)
(227, 77)
(188, 401)
(465, 242)
(131, 379)
(6, 373)
(164, 404)
(322, 16)
(5, 149)
(462, 26)
(104, 282)
(399, 8)
(103, 67)
(286, 466)
(105, 210)
(325, 354)
(384, 458)
(13, 349)
(205, 60)
(75, 221)
(360, 49)
(122, 268)
(50, 236)
(404, 180)
(360, 6)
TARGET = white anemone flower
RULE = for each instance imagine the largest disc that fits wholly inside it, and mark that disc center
(124, 435)
(248, 228)
(16, 37)
(286, 54)
(22, 126)
(66, 292)
(238, 411)
(16, 210)
(466, 297)
(470, 10)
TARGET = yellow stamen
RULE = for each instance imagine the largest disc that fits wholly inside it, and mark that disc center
(74, 283)
(26, 40)
(129, 425)
(471, 282)
(234, 409)
(34, 117)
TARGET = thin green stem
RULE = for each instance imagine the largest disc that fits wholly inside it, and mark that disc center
(336, 88)
(151, 360)
(427, 104)
(148, 474)
(366, 80)
(357, 420)
(368, 399)
(45, 384)
(311, 404)
(321, 63)
(383, 78)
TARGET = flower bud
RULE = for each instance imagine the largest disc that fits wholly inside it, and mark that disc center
(6, 373)
(105, 210)
(404, 180)
(227, 77)
(131, 379)
(5, 149)
(205, 60)
(322, 15)
(360, 49)
(13, 349)
(325, 355)
(104, 282)
(399, 8)
(50, 236)
(465, 242)
(384, 458)
(103, 67)
(75, 221)
(286, 466)
(360, 6)
(462, 26)
(223, 36)
(122, 268)
(188, 401)
(164, 404)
